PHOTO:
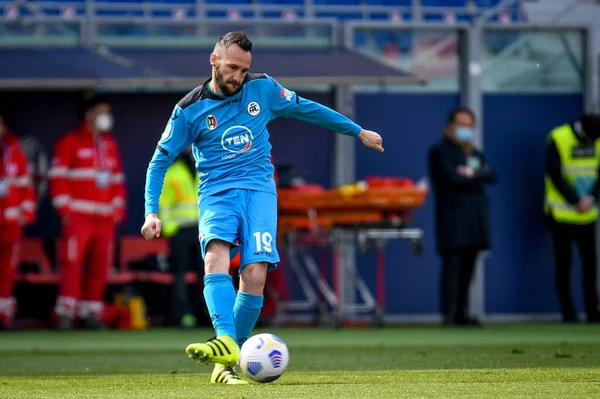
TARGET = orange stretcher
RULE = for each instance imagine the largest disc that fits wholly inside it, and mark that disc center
(368, 213)
(374, 200)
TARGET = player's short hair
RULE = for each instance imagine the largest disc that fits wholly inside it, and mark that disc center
(460, 110)
(239, 38)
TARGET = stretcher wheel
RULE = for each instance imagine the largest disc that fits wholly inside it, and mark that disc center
(378, 316)
(336, 319)
(416, 245)
(321, 311)
(316, 321)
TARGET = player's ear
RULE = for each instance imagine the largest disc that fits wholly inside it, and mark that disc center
(213, 59)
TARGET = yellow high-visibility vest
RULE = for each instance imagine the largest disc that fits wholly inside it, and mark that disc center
(178, 204)
(579, 169)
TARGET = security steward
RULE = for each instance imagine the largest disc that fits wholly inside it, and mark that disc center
(178, 210)
(572, 162)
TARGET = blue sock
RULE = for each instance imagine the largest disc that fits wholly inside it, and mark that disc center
(220, 297)
(245, 313)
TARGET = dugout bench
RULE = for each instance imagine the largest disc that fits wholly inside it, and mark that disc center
(131, 249)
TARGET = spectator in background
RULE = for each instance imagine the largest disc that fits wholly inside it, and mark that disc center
(459, 173)
(178, 211)
(572, 188)
(88, 191)
(17, 208)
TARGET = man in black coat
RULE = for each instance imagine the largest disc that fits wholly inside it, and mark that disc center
(459, 173)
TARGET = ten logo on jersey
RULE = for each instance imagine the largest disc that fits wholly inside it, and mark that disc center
(236, 139)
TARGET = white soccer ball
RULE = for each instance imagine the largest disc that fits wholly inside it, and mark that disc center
(264, 358)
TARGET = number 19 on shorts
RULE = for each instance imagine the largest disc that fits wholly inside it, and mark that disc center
(263, 241)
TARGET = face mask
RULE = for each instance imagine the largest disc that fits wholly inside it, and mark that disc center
(464, 133)
(104, 122)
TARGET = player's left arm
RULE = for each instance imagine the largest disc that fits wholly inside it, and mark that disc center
(287, 104)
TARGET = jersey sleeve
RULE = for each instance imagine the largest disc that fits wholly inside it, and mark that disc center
(177, 136)
(285, 103)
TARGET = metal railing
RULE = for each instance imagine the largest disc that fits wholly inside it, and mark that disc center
(153, 24)
(205, 32)
(15, 9)
(136, 31)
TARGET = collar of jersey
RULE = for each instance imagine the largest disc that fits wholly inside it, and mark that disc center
(211, 95)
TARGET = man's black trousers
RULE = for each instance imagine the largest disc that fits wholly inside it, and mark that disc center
(584, 236)
(457, 273)
(185, 256)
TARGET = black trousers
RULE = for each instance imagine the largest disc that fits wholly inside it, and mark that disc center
(457, 273)
(185, 256)
(585, 237)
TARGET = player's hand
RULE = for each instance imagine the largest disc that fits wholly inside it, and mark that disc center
(371, 139)
(152, 227)
(585, 203)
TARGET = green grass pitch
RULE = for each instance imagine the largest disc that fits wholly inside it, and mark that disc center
(496, 361)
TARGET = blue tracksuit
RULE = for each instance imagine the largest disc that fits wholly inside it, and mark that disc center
(230, 143)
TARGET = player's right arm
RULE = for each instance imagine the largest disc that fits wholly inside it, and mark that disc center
(177, 136)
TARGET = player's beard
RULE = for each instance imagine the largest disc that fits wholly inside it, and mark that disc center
(222, 84)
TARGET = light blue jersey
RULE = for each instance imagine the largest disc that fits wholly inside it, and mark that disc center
(229, 136)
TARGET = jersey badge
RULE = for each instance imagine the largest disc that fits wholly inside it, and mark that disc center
(211, 122)
(285, 93)
(253, 108)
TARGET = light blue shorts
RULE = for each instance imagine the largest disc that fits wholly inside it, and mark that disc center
(246, 216)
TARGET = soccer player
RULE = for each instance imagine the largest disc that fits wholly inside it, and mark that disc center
(225, 121)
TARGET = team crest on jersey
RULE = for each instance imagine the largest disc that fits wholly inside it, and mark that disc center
(211, 122)
(253, 108)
